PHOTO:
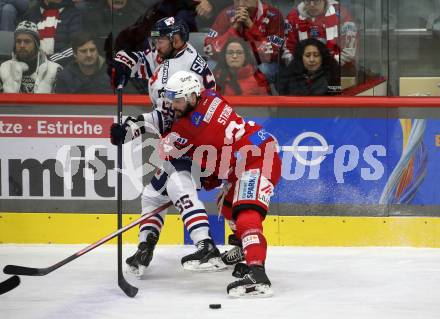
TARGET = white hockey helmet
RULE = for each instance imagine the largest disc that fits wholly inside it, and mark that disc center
(182, 84)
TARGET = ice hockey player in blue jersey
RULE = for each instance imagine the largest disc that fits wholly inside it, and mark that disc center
(171, 53)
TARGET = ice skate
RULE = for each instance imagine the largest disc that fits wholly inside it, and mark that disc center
(240, 270)
(232, 256)
(138, 263)
(235, 254)
(206, 258)
(253, 284)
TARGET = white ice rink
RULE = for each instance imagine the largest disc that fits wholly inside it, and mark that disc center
(309, 283)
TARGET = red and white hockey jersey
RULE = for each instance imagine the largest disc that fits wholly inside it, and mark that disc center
(335, 28)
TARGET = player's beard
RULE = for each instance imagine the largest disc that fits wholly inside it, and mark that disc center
(169, 54)
(188, 109)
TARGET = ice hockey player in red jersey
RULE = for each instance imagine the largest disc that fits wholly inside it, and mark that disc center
(241, 153)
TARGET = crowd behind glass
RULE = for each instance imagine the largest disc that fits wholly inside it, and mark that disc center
(253, 47)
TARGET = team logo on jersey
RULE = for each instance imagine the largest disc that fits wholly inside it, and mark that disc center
(211, 109)
(196, 119)
(259, 137)
(314, 31)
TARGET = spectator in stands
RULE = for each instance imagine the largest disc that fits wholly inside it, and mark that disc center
(10, 11)
(57, 20)
(325, 20)
(29, 70)
(107, 16)
(87, 74)
(312, 72)
(207, 11)
(258, 23)
(236, 72)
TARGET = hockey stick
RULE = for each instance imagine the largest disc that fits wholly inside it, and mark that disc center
(9, 284)
(129, 290)
(29, 271)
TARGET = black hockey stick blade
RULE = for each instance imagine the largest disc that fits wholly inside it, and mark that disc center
(30, 271)
(129, 290)
(9, 284)
(23, 271)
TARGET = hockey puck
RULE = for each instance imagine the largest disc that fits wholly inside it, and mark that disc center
(215, 306)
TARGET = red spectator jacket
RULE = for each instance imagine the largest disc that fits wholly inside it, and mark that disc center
(341, 43)
(266, 35)
(250, 80)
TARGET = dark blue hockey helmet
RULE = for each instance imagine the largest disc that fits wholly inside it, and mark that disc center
(170, 26)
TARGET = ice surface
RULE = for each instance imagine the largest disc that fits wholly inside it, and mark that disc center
(309, 283)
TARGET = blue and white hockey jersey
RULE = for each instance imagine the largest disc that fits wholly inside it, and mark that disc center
(149, 66)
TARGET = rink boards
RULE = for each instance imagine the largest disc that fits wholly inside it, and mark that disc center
(279, 230)
(338, 184)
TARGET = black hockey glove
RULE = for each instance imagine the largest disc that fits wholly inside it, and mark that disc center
(122, 67)
(118, 133)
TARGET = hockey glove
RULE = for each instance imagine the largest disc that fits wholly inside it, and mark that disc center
(172, 146)
(123, 67)
(117, 133)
